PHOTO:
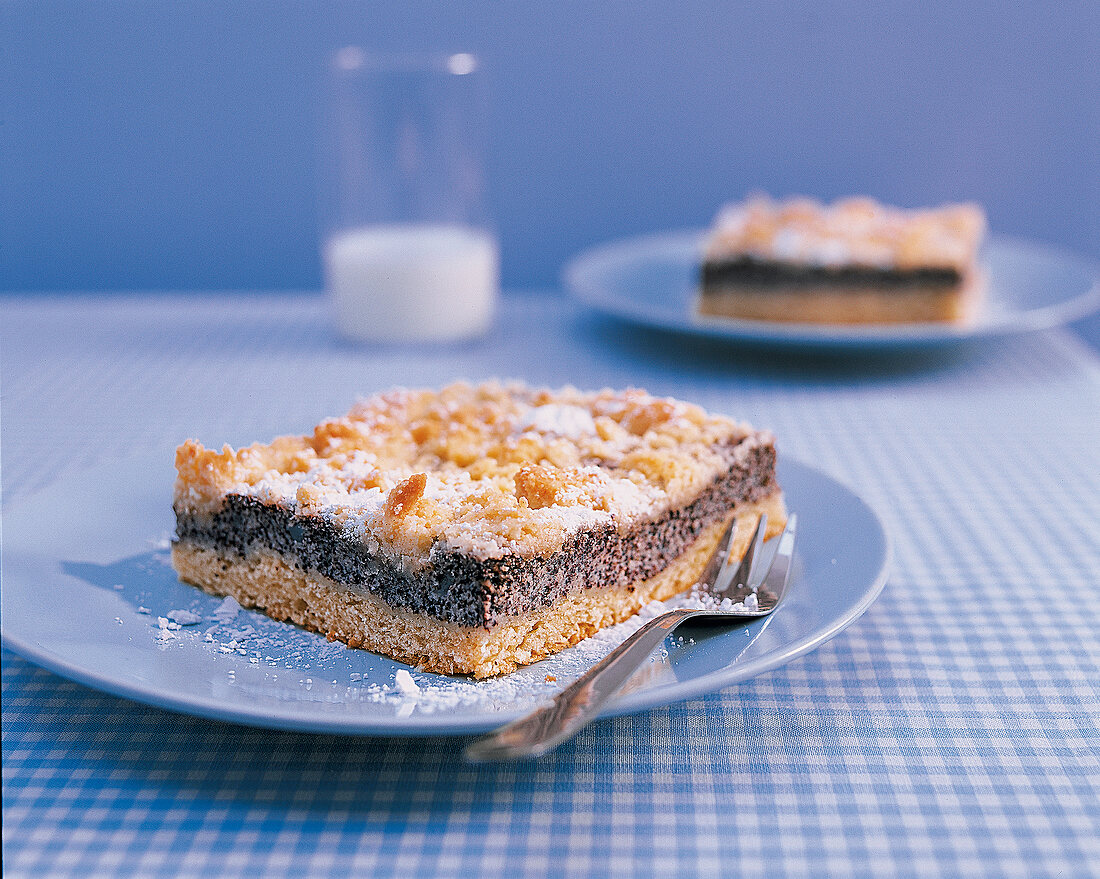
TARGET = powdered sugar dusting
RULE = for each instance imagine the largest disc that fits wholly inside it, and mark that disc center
(560, 418)
(227, 610)
(184, 617)
(405, 683)
(697, 600)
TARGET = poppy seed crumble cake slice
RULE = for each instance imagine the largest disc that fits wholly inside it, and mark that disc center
(474, 529)
(854, 261)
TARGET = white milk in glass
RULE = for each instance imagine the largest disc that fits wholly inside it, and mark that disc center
(412, 282)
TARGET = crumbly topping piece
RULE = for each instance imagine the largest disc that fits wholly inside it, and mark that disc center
(850, 232)
(485, 470)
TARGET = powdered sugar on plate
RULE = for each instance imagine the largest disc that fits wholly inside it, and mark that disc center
(184, 617)
(227, 610)
(527, 687)
(281, 661)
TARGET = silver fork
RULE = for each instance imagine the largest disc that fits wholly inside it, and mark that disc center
(754, 590)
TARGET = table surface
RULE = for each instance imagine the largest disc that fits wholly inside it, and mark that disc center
(952, 730)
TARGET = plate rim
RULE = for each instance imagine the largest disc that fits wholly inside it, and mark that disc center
(582, 289)
(297, 718)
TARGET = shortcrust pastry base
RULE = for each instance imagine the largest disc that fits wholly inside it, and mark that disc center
(844, 305)
(266, 581)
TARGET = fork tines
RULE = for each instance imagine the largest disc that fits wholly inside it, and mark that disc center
(752, 574)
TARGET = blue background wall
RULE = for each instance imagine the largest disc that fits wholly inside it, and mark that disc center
(173, 145)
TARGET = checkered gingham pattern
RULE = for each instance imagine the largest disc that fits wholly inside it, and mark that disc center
(951, 731)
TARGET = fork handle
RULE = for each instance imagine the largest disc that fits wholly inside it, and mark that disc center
(580, 702)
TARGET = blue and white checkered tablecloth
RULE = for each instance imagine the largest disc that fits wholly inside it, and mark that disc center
(953, 730)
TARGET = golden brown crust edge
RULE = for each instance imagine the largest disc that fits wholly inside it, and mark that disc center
(846, 306)
(265, 581)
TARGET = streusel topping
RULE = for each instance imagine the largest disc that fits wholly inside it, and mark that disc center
(854, 231)
(487, 470)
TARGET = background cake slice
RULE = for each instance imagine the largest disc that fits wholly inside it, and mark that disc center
(473, 529)
(854, 261)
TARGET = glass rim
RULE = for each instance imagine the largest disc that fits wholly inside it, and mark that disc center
(352, 59)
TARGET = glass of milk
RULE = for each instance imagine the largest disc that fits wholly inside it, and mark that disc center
(407, 248)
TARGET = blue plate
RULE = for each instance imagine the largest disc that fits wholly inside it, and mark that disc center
(88, 593)
(654, 280)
